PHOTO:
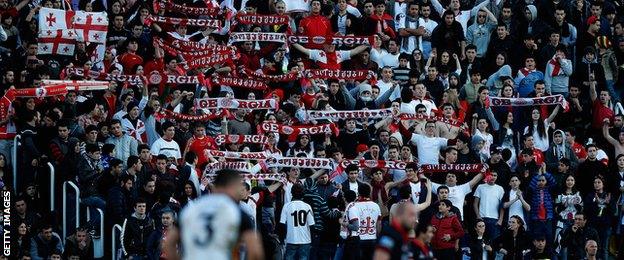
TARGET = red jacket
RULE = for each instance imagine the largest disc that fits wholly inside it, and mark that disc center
(315, 25)
(446, 225)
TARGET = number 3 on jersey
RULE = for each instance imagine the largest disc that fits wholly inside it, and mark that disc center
(204, 238)
(299, 217)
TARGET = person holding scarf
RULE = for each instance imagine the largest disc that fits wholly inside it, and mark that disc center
(379, 22)
(558, 72)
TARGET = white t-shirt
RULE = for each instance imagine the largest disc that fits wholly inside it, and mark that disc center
(168, 148)
(390, 59)
(354, 187)
(375, 55)
(490, 200)
(457, 195)
(416, 189)
(298, 217)
(428, 148)
(211, 226)
(516, 207)
(541, 143)
(369, 214)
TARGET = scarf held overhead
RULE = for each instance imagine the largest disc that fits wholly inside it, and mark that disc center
(257, 19)
(257, 37)
(337, 40)
(235, 103)
(294, 131)
(536, 101)
(236, 155)
(240, 139)
(241, 83)
(337, 115)
(453, 122)
(239, 166)
(297, 162)
(183, 9)
(168, 114)
(213, 23)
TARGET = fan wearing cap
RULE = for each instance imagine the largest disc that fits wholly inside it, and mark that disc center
(588, 38)
(328, 57)
(364, 98)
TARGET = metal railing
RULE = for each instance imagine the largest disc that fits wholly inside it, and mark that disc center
(77, 191)
(14, 159)
(52, 183)
(98, 244)
(116, 229)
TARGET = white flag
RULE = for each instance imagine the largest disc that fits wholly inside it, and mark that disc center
(57, 42)
(90, 26)
(54, 19)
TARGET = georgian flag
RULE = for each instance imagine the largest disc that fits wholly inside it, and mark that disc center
(91, 26)
(62, 42)
(294, 6)
(55, 19)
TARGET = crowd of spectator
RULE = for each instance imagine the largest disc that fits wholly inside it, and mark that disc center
(552, 179)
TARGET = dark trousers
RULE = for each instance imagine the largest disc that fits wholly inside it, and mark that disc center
(351, 248)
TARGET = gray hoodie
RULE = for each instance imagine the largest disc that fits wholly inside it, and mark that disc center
(479, 34)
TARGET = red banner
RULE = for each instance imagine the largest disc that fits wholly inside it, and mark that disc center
(342, 114)
(183, 9)
(452, 122)
(274, 78)
(340, 74)
(165, 113)
(298, 162)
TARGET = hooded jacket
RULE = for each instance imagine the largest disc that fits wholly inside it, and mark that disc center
(557, 75)
(480, 34)
(552, 154)
(448, 224)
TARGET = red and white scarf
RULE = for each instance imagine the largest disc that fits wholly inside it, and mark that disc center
(240, 139)
(273, 78)
(438, 168)
(187, 10)
(214, 23)
(339, 74)
(131, 79)
(257, 176)
(237, 155)
(239, 166)
(209, 61)
(556, 67)
(168, 114)
(240, 83)
(453, 122)
(294, 131)
(298, 162)
(337, 115)
(257, 37)
(191, 45)
(204, 103)
(156, 78)
(395, 165)
(257, 19)
(337, 40)
(520, 102)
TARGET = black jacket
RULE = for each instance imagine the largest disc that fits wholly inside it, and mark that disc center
(135, 234)
(575, 241)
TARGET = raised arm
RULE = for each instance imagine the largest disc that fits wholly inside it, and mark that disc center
(592, 89)
(302, 49)
(475, 180)
(605, 133)
(357, 50)
(427, 202)
(490, 15)
(554, 113)
(438, 7)
(492, 118)
(475, 9)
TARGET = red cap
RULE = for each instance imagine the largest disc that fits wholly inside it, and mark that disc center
(361, 148)
(592, 19)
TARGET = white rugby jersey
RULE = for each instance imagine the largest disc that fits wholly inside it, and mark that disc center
(369, 214)
(298, 217)
(211, 226)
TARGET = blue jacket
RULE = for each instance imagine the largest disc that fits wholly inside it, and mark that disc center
(548, 201)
